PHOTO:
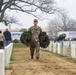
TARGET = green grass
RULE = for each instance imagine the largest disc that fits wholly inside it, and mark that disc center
(16, 45)
(10, 68)
(70, 58)
(12, 57)
(19, 45)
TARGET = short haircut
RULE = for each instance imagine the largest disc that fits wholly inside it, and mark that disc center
(35, 20)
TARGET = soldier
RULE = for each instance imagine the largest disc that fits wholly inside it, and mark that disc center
(35, 31)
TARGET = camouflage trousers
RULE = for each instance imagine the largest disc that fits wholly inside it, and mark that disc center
(32, 50)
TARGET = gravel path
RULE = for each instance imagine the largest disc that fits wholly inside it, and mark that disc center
(48, 64)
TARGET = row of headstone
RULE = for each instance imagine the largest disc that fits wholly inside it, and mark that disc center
(70, 42)
(5, 55)
(55, 47)
(8, 52)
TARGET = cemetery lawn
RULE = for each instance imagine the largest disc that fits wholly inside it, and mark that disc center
(48, 64)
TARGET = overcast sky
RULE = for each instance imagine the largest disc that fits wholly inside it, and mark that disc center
(26, 20)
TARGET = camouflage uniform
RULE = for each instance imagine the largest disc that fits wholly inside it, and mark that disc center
(35, 31)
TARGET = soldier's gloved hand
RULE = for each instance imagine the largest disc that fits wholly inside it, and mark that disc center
(36, 40)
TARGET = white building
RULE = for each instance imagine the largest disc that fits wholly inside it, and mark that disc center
(16, 35)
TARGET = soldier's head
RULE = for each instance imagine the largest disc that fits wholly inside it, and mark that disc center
(35, 22)
(6, 29)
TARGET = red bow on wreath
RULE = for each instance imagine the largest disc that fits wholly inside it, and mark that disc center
(33, 44)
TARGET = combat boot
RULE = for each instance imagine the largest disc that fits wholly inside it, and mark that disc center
(31, 57)
(37, 58)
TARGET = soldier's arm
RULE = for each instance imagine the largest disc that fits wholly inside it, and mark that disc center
(40, 30)
(29, 29)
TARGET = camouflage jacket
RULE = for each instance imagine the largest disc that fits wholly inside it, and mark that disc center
(35, 31)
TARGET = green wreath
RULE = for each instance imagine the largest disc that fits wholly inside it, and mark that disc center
(26, 39)
(44, 41)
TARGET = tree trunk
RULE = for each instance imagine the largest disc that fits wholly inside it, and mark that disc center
(1, 3)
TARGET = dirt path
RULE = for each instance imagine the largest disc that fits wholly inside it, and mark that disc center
(48, 64)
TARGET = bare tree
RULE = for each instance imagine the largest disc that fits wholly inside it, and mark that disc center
(67, 22)
(28, 6)
(61, 23)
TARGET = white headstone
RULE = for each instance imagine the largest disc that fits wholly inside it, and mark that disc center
(68, 43)
(64, 49)
(50, 46)
(58, 50)
(2, 66)
(47, 49)
(54, 47)
(8, 52)
(73, 51)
